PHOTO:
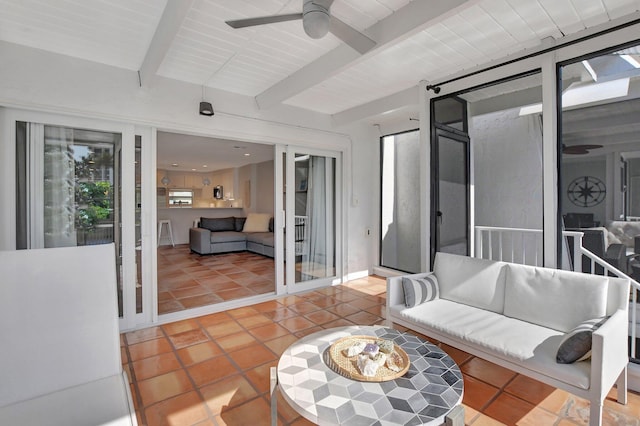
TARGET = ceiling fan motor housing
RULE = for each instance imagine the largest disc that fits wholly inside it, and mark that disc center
(315, 19)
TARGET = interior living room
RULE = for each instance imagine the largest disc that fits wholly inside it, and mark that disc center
(392, 139)
(200, 179)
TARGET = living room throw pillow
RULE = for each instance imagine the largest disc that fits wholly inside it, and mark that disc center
(576, 344)
(257, 222)
(419, 290)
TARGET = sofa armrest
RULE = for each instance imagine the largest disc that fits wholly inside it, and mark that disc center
(200, 240)
(609, 352)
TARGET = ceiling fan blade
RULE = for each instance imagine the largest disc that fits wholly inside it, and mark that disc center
(589, 146)
(250, 22)
(574, 150)
(351, 36)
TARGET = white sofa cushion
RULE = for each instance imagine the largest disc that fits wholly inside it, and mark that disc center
(257, 222)
(474, 282)
(547, 296)
(520, 342)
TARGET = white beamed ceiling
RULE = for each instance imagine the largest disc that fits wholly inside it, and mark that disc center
(116, 33)
(251, 62)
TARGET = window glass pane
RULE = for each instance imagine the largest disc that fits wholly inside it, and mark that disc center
(599, 174)
(400, 209)
(314, 221)
(139, 254)
(180, 198)
(506, 141)
(451, 112)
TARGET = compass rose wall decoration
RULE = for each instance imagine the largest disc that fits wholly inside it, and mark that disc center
(586, 191)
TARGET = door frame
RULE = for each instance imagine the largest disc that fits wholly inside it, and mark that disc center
(284, 164)
(8, 190)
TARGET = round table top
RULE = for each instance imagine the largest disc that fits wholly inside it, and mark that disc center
(425, 394)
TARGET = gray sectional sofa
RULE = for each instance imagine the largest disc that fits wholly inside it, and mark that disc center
(222, 235)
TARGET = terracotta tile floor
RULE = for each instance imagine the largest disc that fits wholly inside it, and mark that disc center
(188, 280)
(214, 369)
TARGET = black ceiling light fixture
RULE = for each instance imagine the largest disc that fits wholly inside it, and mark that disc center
(435, 88)
(205, 107)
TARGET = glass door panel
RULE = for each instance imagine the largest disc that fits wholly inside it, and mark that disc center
(312, 205)
(68, 181)
(451, 201)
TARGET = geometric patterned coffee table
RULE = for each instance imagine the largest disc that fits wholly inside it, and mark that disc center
(428, 392)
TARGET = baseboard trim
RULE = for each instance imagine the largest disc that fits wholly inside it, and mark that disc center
(356, 275)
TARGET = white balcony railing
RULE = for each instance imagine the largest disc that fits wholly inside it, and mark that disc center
(524, 246)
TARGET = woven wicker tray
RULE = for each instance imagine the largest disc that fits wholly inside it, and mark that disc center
(347, 366)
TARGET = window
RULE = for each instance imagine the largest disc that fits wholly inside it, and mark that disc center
(400, 206)
(180, 198)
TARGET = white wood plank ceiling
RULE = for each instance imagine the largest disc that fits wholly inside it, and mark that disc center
(277, 63)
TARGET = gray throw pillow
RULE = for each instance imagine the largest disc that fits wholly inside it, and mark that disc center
(576, 344)
(218, 224)
(420, 290)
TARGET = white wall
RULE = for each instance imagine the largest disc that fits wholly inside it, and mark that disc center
(508, 170)
(401, 203)
(362, 197)
(264, 187)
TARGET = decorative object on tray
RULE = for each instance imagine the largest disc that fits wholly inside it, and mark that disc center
(367, 358)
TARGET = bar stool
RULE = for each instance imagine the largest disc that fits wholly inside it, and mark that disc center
(161, 223)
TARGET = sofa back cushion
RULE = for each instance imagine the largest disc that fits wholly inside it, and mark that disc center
(218, 224)
(239, 223)
(554, 298)
(58, 321)
(471, 281)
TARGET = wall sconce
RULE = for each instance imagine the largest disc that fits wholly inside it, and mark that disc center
(205, 107)
(165, 181)
(206, 181)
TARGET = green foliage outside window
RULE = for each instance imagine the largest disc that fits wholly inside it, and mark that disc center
(94, 203)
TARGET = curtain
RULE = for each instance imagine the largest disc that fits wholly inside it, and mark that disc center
(314, 261)
(59, 188)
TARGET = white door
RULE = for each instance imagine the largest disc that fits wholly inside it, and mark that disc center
(310, 185)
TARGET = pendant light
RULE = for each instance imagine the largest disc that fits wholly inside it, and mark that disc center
(205, 107)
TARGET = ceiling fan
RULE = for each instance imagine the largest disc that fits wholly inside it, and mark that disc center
(578, 149)
(317, 21)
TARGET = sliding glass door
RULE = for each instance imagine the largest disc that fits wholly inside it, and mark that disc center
(312, 225)
(73, 187)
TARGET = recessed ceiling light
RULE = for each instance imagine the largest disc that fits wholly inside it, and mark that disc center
(193, 170)
(205, 166)
(247, 154)
(174, 164)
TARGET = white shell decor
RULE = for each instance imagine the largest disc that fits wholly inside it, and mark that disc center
(355, 349)
(367, 366)
(394, 362)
